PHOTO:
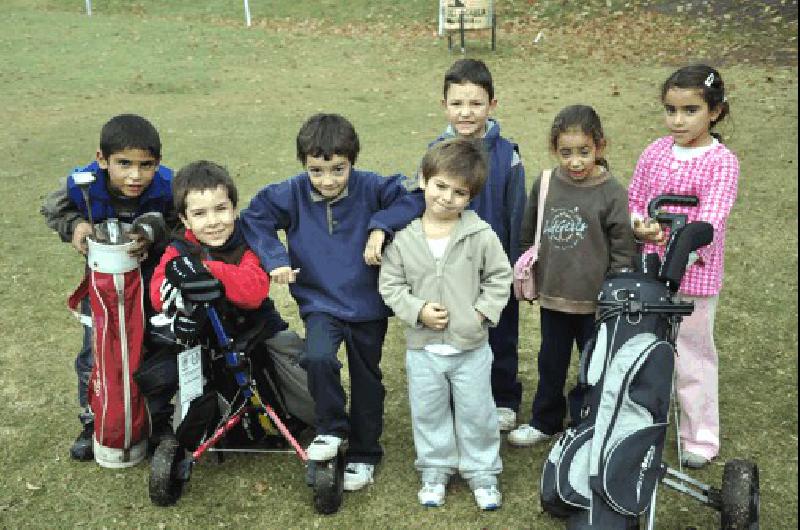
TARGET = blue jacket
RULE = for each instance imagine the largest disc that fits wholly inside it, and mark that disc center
(501, 203)
(326, 239)
(156, 198)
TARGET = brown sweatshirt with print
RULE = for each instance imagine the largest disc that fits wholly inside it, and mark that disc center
(586, 233)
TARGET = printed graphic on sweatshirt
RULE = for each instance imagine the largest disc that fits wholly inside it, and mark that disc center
(565, 228)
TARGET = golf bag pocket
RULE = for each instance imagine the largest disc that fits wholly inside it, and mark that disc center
(631, 469)
(201, 418)
(158, 374)
(565, 487)
(631, 421)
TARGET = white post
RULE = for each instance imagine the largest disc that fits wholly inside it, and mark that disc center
(89, 7)
(247, 13)
(441, 17)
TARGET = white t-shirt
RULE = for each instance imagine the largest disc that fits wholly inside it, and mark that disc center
(687, 153)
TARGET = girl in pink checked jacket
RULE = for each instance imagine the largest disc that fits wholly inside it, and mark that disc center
(692, 161)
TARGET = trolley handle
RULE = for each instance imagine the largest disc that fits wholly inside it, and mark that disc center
(673, 220)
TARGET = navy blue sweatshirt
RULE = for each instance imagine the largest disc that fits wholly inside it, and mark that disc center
(326, 239)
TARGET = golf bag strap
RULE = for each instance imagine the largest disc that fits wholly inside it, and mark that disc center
(74, 300)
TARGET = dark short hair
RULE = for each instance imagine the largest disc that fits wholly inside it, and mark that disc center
(469, 71)
(325, 135)
(198, 176)
(458, 157)
(129, 131)
(582, 118)
(704, 78)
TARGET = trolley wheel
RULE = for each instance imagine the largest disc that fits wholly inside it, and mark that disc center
(740, 496)
(165, 486)
(329, 484)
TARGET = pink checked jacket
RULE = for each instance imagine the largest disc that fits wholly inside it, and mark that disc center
(713, 178)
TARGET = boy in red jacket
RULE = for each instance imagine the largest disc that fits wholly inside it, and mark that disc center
(212, 246)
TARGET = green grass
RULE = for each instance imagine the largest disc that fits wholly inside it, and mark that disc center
(220, 91)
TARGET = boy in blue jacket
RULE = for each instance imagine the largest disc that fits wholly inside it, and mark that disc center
(329, 214)
(468, 102)
(132, 186)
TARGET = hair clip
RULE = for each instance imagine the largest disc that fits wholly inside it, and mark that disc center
(709, 80)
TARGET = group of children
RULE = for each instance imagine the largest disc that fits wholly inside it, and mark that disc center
(360, 247)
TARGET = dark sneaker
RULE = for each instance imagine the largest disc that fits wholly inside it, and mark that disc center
(81, 449)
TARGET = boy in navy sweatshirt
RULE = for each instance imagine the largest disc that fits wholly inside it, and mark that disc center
(335, 238)
(468, 101)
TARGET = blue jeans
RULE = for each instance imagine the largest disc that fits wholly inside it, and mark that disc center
(84, 362)
(363, 343)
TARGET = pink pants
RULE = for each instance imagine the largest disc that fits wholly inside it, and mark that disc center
(697, 379)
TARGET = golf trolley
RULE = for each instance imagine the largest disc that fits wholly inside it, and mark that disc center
(211, 419)
(603, 472)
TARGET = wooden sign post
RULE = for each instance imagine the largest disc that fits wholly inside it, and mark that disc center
(463, 15)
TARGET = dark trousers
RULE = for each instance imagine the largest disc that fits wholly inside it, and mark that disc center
(84, 362)
(504, 340)
(363, 343)
(559, 332)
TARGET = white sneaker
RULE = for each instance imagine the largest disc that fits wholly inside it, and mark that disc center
(693, 460)
(525, 436)
(357, 475)
(323, 447)
(506, 418)
(488, 498)
(431, 494)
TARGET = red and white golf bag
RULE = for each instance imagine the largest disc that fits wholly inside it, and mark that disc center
(114, 286)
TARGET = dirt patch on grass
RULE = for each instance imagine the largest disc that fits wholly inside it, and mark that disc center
(721, 32)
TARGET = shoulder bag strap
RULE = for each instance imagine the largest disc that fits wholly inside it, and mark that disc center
(544, 184)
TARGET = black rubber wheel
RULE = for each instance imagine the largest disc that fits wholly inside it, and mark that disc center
(165, 487)
(740, 496)
(329, 484)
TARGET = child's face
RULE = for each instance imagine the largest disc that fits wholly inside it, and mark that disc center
(328, 177)
(210, 214)
(578, 154)
(445, 196)
(467, 107)
(130, 171)
(688, 117)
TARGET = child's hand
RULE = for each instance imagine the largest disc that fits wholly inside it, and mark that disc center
(434, 315)
(372, 252)
(284, 275)
(79, 235)
(649, 230)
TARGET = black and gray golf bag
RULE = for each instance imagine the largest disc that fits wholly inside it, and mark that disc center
(603, 471)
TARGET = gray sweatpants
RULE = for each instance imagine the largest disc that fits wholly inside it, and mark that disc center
(464, 438)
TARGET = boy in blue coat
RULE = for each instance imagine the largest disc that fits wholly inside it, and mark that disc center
(468, 102)
(335, 238)
(132, 186)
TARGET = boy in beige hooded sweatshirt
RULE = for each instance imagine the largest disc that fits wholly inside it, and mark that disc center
(446, 275)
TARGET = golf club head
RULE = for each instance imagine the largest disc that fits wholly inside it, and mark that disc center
(683, 242)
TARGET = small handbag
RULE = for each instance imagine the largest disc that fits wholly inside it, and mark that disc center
(525, 288)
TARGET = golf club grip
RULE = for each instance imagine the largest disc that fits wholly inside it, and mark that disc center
(683, 242)
(669, 199)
